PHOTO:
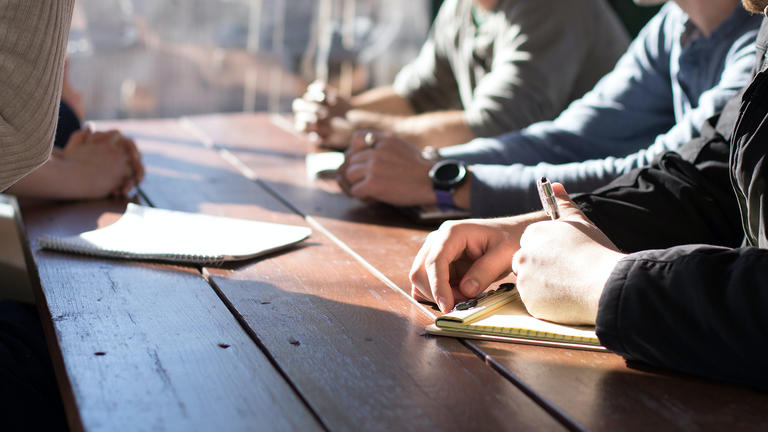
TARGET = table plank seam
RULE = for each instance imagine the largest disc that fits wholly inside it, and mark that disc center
(255, 338)
(251, 175)
(74, 419)
(560, 415)
(202, 270)
(247, 172)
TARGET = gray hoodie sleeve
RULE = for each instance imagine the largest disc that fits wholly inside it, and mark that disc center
(33, 38)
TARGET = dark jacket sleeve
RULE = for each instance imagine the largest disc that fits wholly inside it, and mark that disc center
(678, 303)
(682, 198)
(696, 309)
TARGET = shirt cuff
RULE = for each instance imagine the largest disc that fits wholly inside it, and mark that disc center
(501, 190)
(609, 308)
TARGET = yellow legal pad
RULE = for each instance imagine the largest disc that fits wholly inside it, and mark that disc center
(501, 316)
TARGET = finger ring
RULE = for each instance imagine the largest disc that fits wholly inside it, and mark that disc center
(370, 140)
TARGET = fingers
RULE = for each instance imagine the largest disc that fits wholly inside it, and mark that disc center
(135, 167)
(359, 142)
(78, 138)
(311, 118)
(566, 207)
(320, 91)
(354, 169)
(517, 261)
(126, 162)
(134, 158)
(317, 91)
(438, 276)
(486, 269)
(356, 172)
(418, 274)
(363, 189)
(310, 108)
(361, 176)
(341, 177)
(110, 137)
(431, 271)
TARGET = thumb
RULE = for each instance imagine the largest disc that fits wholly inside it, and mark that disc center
(486, 270)
(318, 91)
(78, 138)
(566, 207)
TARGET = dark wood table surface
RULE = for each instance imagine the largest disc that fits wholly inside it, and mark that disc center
(322, 336)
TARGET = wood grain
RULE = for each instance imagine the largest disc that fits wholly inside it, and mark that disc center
(597, 390)
(379, 233)
(141, 346)
(352, 346)
(603, 393)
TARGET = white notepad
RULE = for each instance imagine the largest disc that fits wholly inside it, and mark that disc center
(324, 164)
(154, 234)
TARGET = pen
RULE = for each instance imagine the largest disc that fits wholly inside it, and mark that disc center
(547, 196)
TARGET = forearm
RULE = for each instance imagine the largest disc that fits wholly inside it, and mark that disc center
(32, 54)
(57, 179)
(695, 309)
(436, 129)
(382, 100)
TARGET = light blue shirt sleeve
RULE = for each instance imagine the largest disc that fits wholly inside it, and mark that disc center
(625, 111)
(597, 138)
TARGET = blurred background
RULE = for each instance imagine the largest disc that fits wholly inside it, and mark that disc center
(162, 58)
(166, 58)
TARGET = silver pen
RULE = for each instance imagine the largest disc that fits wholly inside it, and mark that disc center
(547, 196)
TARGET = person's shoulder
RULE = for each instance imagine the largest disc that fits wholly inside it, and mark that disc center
(452, 9)
(663, 29)
(582, 12)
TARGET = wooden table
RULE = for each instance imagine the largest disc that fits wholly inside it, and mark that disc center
(320, 337)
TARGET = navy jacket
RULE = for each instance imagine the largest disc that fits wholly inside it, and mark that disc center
(693, 294)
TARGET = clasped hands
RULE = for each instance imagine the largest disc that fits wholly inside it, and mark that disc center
(561, 266)
(105, 163)
(320, 113)
(386, 169)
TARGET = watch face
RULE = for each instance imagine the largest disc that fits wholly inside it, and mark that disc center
(447, 173)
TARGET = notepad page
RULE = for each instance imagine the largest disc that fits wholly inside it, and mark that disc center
(514, 317)
(149, 233)
(501, 312)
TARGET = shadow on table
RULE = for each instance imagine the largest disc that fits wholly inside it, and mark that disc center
(139, 136)
(599, 389)
(69, 218)
(187, 185)
(361, 361)
(330, 202)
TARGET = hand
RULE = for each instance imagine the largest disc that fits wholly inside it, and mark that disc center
(462, 258)
(390, 171)
(562, 266)
(105, 163)
(320, 114)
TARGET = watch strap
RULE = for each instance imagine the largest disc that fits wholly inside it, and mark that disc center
(444, 199)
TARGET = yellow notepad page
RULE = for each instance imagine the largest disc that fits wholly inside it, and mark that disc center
(502, 314)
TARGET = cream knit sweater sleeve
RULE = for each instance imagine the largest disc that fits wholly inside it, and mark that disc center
(33, 37)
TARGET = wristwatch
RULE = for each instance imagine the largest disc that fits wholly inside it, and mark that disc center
(446, 175)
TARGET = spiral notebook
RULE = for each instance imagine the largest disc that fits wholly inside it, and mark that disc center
(501, 316)
(147, 233)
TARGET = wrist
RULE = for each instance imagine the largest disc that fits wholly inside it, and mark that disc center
(462, 193)
(447, 176)
(361, 119)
